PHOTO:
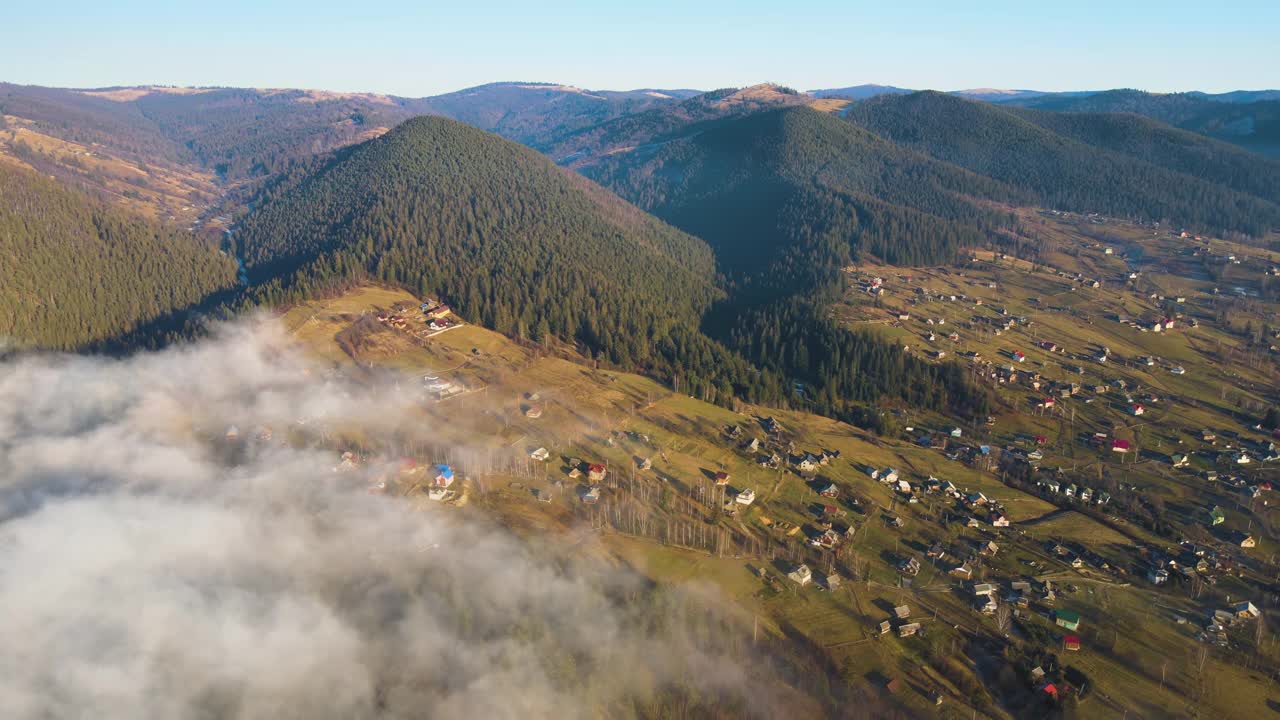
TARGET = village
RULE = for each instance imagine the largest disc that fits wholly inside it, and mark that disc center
(1102, 539)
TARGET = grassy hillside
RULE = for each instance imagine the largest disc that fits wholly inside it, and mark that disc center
(1061, 171)
(77, 271)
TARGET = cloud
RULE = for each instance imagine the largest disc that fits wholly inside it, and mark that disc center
(151, 567)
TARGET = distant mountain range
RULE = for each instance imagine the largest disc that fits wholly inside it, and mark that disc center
(1249, 118)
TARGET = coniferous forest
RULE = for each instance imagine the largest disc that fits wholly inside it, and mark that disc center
(78, 271)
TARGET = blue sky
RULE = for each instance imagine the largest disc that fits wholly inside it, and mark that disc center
(414, 48)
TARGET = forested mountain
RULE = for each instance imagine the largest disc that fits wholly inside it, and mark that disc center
(533, 113)
(1248, 119)
(245, 133)
(77, 271)
(493, 228)
(645, 132)
(1080, 168)
(786, 194)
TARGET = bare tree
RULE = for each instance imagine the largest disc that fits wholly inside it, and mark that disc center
(1004, 618)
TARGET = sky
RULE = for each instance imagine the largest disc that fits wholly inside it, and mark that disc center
(415, 48)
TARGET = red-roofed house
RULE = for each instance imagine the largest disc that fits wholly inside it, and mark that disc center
(1071, 642)
(595, 472)
(1120, 446)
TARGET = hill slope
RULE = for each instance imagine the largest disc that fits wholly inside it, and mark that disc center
(1062, 171)
(77, 271)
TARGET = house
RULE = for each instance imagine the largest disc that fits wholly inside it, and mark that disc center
(1019, 356)
(1245, 611)
(644, 464)
(983, 589)
(1071, 642)
(802, 575)
(902, 612)
(1136, 409)
(1120, 446)
(885, 627)
(592, 495)
(1248, 541)
(999, 520)
(956, 432)
(444, 476)
(541, 454)
(1085, 494)
(753, 445)
(908, 629)
(989, 548)
(437, 313)
(889, 476)
(746, 497)
(805, 463)
(596, 472)
(827, 540)
(721, 477)
(1178, 370)
(962, 571)
(831, 581)
(1157, 576)
(829, 490)
(533, 412)
(1179, 460)
(1069, 619)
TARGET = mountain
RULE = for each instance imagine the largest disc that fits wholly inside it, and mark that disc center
(1084, 165)
(533, 112)
(248, 134)
(1238, 96)
(491, 227)
(1254, 124)
(79, 271)
(859, 92)
(764, 187)
(647, 131)
(997, 94)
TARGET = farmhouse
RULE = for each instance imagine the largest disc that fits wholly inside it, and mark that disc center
(802, 575)
(596, 472)
(1069, 619)
(746, 497)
